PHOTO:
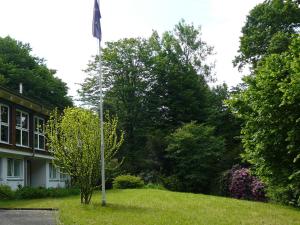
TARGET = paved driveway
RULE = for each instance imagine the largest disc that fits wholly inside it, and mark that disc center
(27, 217)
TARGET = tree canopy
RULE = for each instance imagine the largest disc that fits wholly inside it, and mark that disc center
(268, 29)
(269, 107)
(17, 65)
(156, 85)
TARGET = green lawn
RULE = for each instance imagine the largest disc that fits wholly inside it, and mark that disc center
(157, 207)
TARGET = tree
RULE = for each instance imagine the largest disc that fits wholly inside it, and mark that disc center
(269, 107)
(74, 140)
(17, 65)
(226, 125)
(154, 86)
(194, 152)
(269, 29)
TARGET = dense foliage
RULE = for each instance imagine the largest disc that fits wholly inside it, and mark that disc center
(73, 138)
(6, 192)
(41, 192)
(17, 65)
(127, 181)
(269, 107)
(269, 29)
(155, 86)
(195, 155)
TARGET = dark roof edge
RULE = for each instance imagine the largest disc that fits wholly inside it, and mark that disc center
(34, 104)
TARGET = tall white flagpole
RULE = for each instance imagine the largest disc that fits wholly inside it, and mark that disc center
(97, 34)
(103, 202)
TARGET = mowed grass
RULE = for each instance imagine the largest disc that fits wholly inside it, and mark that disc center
(158, 207)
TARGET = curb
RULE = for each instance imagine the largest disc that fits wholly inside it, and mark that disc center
(46, 209)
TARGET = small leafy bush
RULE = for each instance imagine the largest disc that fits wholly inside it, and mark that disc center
(127, 181)
(6, 192)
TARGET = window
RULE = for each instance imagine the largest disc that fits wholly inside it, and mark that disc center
(4, 123)
(22, 128)
(14, 168)
(52, 172)
(63, 176)
(39, 134)
(0, 168)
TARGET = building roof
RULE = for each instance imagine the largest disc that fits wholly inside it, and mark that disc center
(24, 101)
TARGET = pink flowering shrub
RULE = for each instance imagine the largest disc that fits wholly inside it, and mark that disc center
(243, 185)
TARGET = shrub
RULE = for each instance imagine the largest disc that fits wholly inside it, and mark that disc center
(6, 192)
(127, 181)
(30, 193)
(155, 186)
(243, 185)
(62, 192)
(41, 192)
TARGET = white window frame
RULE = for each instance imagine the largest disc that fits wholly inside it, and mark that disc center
(38, 133)
(5, 124)
(1, 169)
(53, 171)
(13, 168)
(21, 129)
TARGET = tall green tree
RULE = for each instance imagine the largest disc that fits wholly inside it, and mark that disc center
(269, 29)
(195, 153)
(153, 85)
(17, 65)
(269, 107)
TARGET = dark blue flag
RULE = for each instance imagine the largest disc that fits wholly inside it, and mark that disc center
(96, 21)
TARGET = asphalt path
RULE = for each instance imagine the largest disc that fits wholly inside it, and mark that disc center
(27, 217)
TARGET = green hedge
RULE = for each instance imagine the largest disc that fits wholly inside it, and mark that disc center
(35, 192)
(6, 192)
(127, 181)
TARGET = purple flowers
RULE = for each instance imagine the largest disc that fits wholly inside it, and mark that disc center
(243, 185)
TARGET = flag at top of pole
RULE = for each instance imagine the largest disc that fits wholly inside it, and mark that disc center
(96, 21)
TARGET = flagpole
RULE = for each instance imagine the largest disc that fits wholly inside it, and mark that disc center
(103, 201)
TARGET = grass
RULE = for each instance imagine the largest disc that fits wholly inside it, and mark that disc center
(159, 207)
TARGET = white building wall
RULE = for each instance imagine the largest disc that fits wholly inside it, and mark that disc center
(39, 173)
(11, 181)
(53, 183)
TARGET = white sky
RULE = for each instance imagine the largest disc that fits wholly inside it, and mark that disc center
(60, 30)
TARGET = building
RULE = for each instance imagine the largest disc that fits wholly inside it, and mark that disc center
(24, 158)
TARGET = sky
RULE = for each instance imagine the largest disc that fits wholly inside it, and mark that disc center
(60, 31)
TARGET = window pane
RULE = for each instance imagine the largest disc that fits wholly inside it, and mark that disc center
(4, 133)
(18, 136)
(41, 126)
(36, 124)
(18, 118)
(36, 140)
(24, 121)
(9, 167)
(41, 142)
(25, 138)
(17, 168)
(4, 114)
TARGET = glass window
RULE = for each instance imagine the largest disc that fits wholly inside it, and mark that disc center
(39, 135)
(52, 171)
(22, 128)
(14, 168)
(4, 123)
